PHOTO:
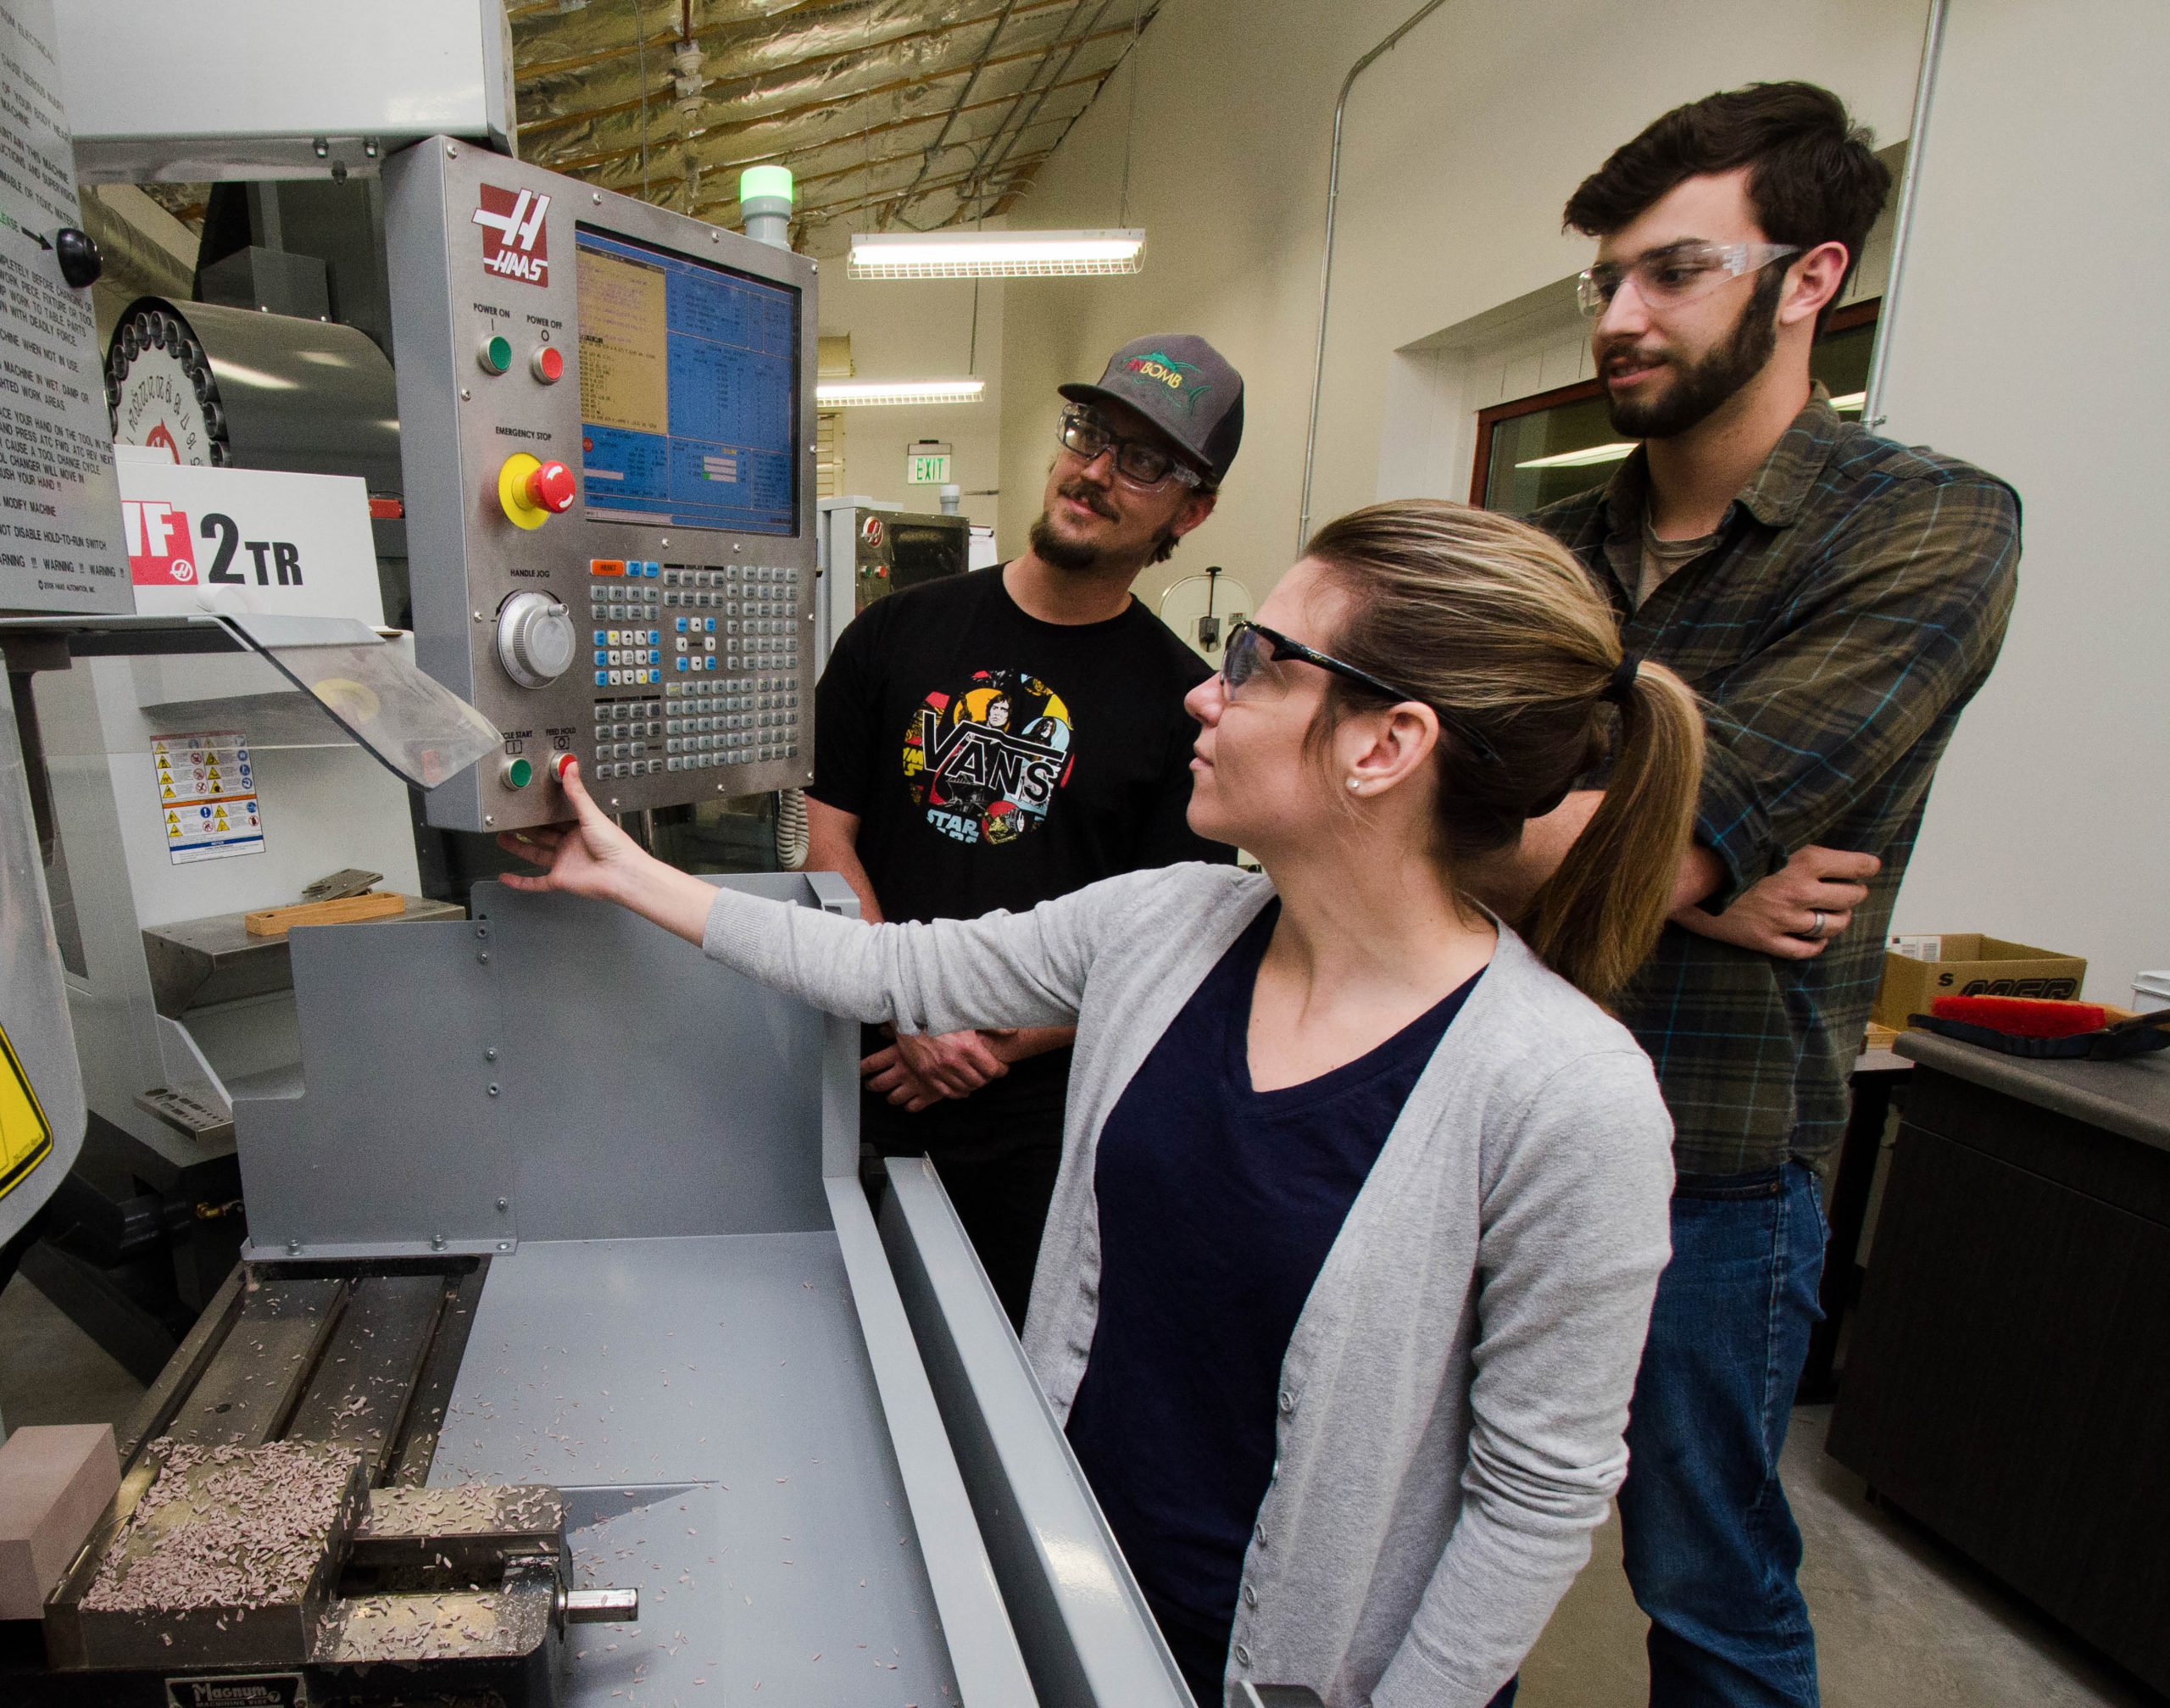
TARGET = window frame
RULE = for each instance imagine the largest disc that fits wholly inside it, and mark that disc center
(1844, 320)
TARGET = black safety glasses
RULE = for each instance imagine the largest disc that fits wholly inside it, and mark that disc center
(1245, 652)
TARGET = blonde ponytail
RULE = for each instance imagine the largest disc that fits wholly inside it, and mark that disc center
(1596, 919)
(1496, 625)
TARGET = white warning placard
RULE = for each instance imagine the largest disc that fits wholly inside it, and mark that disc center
(60, 546)
(207, 795)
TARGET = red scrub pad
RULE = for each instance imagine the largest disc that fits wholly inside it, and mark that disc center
(2017, 1016)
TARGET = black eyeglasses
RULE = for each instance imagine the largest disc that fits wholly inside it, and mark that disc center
(1142, 465)
(1241, 658)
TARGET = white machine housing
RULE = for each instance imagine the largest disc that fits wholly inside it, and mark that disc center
(189, 90)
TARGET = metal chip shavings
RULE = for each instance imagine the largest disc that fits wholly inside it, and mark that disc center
(225, 1528)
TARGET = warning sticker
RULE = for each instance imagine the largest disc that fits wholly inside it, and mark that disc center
(25, 1135)
(207, 796)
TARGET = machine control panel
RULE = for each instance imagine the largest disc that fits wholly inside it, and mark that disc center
(606, 419)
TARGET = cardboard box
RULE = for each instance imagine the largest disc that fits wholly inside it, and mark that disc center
(55, 1480)
(1969, 963)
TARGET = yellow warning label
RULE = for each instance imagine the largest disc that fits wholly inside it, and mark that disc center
(25, 1135)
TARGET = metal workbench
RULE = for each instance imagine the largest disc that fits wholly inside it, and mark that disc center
(560, 1202)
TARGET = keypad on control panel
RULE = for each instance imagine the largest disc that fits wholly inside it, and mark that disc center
(723, 642)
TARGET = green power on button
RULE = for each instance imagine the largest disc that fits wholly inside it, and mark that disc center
(496, 355)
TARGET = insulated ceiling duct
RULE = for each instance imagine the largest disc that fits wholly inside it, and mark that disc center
(891, 114)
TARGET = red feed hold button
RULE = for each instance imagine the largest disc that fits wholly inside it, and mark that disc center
(550, 488)
(559, 766)
(548, 364)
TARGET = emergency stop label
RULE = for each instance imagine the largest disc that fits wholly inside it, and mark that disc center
(25, 1135)
(208, 805)
(515, 243)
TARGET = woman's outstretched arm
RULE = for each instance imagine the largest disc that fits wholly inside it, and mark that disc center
(591, 856)
(1006, 970)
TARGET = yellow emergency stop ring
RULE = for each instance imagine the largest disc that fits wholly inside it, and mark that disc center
(512, 491)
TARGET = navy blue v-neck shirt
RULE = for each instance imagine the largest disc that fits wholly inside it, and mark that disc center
(1218, 1204)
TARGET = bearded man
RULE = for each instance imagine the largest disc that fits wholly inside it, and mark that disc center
(941, 791)
(1836, 598)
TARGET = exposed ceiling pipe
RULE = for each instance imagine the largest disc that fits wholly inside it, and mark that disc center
(782, 115)
(1326, 266)
(971, 83)
(984, 168)
(1887, 317)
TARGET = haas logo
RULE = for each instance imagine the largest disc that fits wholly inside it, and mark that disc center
(515, 244)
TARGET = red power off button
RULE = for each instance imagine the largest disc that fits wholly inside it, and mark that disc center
(548, 364)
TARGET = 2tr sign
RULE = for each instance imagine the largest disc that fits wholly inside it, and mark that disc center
(246, 540)
(161, 553)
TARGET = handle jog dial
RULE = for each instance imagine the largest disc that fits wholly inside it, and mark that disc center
(536, 640)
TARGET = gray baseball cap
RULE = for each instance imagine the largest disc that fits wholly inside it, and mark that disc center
(1183, 387)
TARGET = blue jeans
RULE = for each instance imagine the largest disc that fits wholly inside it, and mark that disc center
(1711, 1546)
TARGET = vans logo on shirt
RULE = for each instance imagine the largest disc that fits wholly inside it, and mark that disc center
(986, 759)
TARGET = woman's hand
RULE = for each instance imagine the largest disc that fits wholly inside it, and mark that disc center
(588, 855)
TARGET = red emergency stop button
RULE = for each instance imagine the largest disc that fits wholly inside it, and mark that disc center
(532, 493)
(550, 488)
(548, 364)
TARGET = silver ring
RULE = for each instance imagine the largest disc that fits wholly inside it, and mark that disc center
(1815, 931)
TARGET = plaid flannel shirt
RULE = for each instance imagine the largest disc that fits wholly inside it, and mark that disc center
(1853, 602)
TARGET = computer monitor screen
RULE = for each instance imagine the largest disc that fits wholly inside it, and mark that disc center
(688, 391)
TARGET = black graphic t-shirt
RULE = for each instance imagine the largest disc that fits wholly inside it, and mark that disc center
(997, 761)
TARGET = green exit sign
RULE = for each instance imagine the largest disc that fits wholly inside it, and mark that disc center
(926, 472)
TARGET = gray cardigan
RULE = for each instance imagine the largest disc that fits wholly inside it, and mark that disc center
(1453, 1399)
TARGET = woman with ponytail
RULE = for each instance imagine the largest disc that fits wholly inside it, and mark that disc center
(1364, 1196)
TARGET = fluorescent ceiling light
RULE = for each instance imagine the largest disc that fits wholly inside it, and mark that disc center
(993, 254)
(1580, 460)
(1852, 400)
(832, 394)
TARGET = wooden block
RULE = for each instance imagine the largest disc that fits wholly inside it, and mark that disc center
(55, 1481)
(277, 921)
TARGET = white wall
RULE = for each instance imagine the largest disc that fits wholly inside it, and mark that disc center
(918, 329)
(1461, 146)
(1434, 386)
(2027, 339)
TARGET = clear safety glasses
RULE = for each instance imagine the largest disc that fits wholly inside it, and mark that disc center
(1246, 652)
(1144, 465)
(1677, 273)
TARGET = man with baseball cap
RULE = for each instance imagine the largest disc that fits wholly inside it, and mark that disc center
(997, 739)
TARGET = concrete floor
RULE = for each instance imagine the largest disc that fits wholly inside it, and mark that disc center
(1901, 1621)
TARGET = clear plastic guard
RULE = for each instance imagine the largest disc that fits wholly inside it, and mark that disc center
(418, 729)
(415, 726)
